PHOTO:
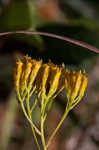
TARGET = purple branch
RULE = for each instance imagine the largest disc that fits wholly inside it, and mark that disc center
(79, 43)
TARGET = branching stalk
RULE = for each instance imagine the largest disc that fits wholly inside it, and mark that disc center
(36, 129)
(42, 132)
(34, 105)
(58, 126)
(33, 130)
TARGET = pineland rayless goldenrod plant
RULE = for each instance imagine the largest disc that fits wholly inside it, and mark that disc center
(46, 81)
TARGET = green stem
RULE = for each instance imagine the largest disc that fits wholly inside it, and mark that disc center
(58, 126)
(28, 91)
(33, 131)
(42, 132)
(33, 106)
(42, 110)
(22, 106)
(24, 111)
(44, 105)
(50, 100)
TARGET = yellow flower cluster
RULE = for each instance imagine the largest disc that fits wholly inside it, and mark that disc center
(75, 85)
(47, 80)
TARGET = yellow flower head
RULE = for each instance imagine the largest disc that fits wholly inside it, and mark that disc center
(55, 73)
(41, 80)
(25, 74)
(34, 70)
(17, 75)
(83, 86)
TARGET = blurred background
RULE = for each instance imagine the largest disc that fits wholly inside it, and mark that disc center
(77, 19)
